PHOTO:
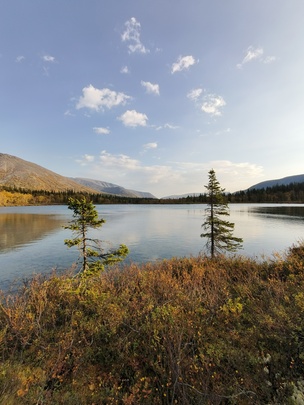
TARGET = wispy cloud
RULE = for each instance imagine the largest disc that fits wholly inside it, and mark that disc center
(252, 54)
(151, 145)
(166, 126)
(269, 59)
(48, 58)
(183, 63)
(150, 88)
(171, 178)
(125, 70)
(101, 130)
(98, 99)
(132, 118)
(20, 58)
(195, 94)
(132, 36)
(85, 160)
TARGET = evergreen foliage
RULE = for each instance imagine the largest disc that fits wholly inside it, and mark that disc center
(218, 231)
(92, 254)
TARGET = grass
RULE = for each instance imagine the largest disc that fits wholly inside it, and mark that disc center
(181, 331)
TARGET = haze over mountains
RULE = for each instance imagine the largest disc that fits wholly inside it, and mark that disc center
(18, 173)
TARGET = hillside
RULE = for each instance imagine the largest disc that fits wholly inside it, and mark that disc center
(19, 173)
(285, 181)
(110, 188)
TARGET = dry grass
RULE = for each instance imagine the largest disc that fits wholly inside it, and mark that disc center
(182, 331)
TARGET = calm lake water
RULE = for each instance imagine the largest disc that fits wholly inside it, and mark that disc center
(32, 238)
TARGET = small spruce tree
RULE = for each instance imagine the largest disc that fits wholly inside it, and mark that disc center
(93, 257)
(219, 233)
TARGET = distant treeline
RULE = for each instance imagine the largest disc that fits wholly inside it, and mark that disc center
(292, 193)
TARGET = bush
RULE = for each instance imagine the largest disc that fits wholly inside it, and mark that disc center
(180, 331)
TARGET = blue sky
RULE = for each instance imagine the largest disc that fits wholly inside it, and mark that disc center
(151, 95)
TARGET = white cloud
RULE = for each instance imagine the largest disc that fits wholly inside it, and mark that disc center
(150, 88)
(171, 178)
(101, 130)
(48, 58)
(20, 58)
(212, 104)
(132, 35)
(166, 126)
(195, 94)
(98, 99)
(255, 54)
(124, 70)
(86, 159)
(269, 59)
(151, 145)
(183, 63)
(132, 118)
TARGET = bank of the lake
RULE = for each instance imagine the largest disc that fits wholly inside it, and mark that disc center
(32, 238)
(180, 331)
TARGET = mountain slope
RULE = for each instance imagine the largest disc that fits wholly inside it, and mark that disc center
(278, 182)
(110, 188)
(19, 173)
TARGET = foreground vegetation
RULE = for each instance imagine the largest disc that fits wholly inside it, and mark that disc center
(181, 331)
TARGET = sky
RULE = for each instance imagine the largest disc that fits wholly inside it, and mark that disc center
(151, 95)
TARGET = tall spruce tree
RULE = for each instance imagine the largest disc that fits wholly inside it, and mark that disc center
(219, 233)
(93, 256)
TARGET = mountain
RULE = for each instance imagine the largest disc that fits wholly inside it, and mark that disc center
(110, 188)
(278, 182)
(19, 173)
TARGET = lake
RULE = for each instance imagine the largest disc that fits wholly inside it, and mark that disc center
(32, 238)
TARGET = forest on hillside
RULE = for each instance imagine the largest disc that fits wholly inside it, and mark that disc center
(292, 193)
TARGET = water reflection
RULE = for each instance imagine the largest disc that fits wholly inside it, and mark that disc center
(20, 229)
(287, 212)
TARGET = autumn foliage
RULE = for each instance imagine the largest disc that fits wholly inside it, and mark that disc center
(180, 331)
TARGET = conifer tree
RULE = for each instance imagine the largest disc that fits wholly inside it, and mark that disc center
(85, 217)
(219, 233)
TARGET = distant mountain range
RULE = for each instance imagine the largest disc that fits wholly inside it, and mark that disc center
(19, 173)
(110, 188)
(278, 182)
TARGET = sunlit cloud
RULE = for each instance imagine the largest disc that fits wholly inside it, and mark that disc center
(101, 130)
(183, 63)
(132, 118)
(98, 99)
(213, 104)
(150, 88)
(132, 36)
